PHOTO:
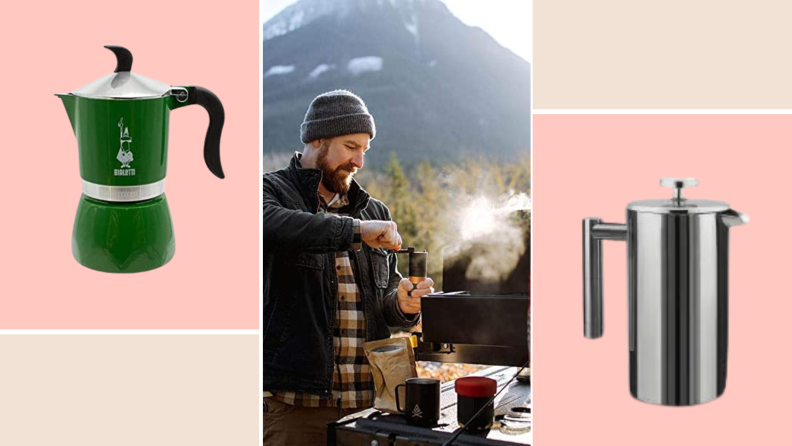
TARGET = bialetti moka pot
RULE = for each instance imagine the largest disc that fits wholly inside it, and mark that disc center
(123, 224)
(677, 268)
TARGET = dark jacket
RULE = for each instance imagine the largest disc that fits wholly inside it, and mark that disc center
(300, 279)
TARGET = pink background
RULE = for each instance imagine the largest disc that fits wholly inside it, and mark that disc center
(212, 282)
(594, 165)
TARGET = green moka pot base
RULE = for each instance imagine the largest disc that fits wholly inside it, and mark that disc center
(123, 237)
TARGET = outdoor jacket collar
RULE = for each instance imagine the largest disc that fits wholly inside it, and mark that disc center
(308, 181)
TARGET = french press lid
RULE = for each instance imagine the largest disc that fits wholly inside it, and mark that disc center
(678, 204)
(122, 83)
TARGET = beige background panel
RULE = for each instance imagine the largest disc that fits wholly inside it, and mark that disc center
(129, 390)
(672, 54)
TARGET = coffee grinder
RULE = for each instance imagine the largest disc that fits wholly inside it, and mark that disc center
(417, 271)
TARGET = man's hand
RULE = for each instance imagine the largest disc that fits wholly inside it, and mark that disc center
(380, 234)
(410, 298)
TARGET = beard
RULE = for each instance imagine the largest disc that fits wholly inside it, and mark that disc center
(335, 180)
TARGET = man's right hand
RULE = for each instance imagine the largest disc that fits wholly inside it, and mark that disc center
(380, 234)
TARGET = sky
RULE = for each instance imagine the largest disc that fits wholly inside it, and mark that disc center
(510, 22)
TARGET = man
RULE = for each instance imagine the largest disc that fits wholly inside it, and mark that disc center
(330, 277)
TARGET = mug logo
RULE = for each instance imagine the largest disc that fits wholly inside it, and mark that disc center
(124, 155)
(416, 412)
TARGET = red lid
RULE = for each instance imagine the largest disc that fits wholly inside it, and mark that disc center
(475, 386)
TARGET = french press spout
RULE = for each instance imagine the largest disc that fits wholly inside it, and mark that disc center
(677, 257)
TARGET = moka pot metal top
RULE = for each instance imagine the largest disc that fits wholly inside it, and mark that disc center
(123, 83)
(121, 124)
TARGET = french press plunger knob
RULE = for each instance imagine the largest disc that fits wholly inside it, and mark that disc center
(678, 185)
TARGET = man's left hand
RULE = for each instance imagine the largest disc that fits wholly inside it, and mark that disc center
(410, 297)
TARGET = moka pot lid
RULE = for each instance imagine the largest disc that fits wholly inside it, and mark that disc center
(678, 204)
(122, 84)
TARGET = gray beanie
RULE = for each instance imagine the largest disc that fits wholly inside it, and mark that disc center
(336, 113)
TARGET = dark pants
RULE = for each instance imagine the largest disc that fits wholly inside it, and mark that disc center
(287, 425)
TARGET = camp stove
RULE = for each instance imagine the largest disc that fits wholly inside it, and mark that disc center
(480, 317)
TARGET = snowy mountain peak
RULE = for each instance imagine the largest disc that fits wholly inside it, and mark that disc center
(296, 16)
(438, 87)
(304, 12)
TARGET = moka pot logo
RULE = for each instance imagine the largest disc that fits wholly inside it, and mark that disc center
(124, 155)
(416, 412)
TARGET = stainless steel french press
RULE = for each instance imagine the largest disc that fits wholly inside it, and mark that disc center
(677, 269)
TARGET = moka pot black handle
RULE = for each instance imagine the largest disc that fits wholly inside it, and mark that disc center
(213, 106)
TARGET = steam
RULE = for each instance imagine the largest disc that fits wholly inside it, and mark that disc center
(484, 215)
(489, 235)
(478, 219)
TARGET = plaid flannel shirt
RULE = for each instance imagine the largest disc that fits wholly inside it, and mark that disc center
(353, 385)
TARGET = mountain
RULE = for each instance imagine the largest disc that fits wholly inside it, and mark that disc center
(437, 88)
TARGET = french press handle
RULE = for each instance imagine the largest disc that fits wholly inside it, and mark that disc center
(594, 232)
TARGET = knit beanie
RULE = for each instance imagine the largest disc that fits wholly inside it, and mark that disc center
(336, 113)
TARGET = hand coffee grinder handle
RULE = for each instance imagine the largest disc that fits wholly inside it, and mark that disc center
(418, 264)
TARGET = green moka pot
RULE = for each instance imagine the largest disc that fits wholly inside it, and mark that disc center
(123, 224)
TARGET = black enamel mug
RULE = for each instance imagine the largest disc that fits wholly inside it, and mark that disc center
(422, 401)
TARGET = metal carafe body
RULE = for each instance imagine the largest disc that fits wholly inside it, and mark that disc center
(677, 260)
